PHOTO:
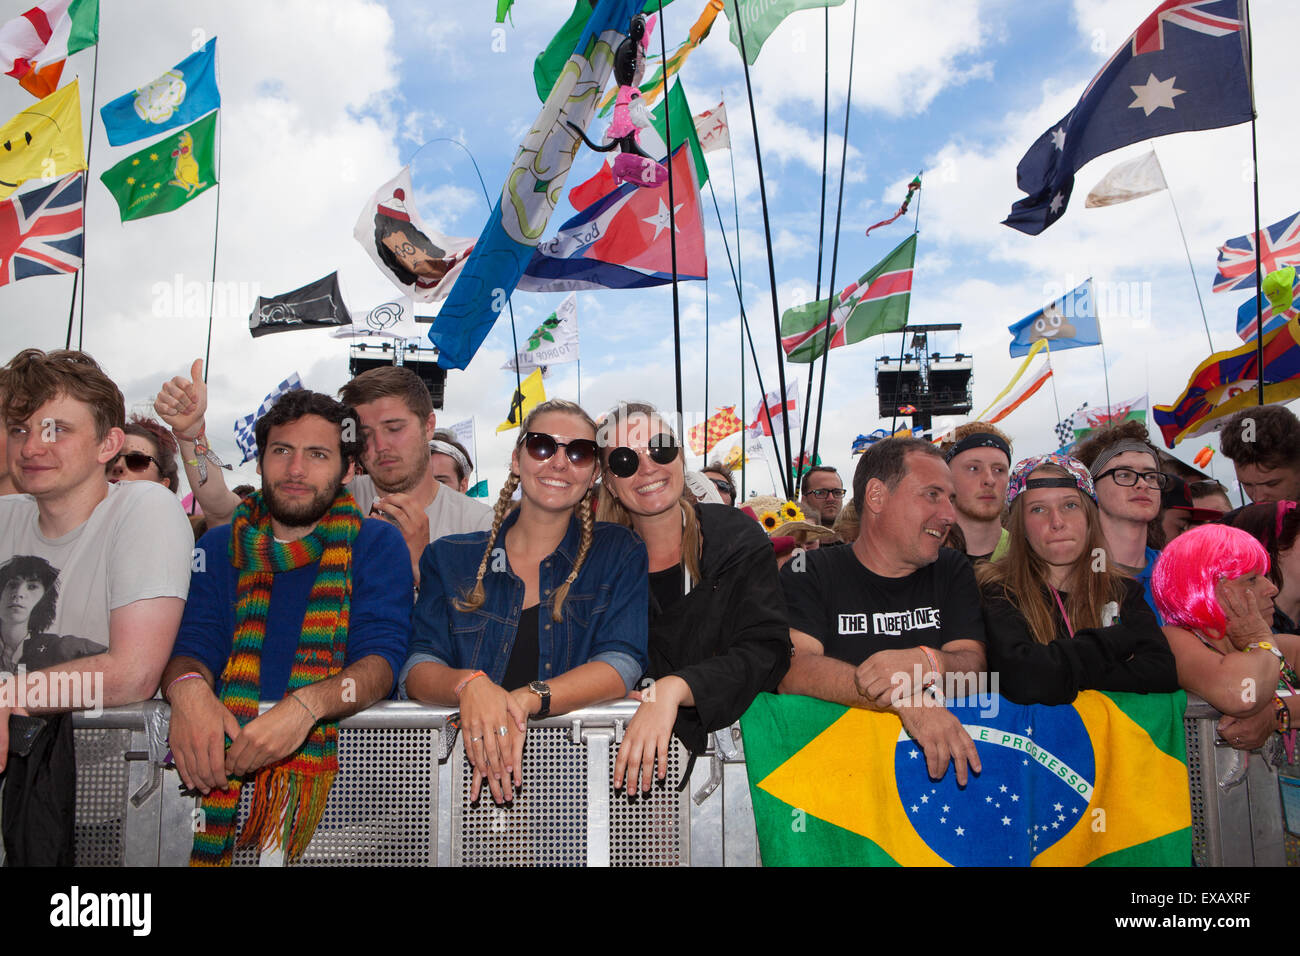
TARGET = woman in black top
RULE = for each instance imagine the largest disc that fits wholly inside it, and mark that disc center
(1058, 618)
(718, 630)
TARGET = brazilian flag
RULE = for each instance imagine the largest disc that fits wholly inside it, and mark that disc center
(1100, 782)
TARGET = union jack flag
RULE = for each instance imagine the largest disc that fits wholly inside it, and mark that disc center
(41, 231)
(1279, 246)
(1149, 37)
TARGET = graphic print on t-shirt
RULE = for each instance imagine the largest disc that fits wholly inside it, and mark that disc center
(29, 597)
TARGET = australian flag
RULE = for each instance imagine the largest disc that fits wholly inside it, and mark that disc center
(41, 231)
(1183, 68)
(245, 428)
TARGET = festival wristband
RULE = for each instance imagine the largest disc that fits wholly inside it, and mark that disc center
(186, 676)
(933, 659)
(461, 686)
(188, 438)
(304, 706)
(1283, 715)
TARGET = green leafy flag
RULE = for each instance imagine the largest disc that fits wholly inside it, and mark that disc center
(683, 127)
(167, 174)
(1100, 782)
(760, 17)
(877, 303)
(549, 63)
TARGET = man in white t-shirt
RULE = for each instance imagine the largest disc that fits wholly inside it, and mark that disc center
(397, 423)
(93, 576)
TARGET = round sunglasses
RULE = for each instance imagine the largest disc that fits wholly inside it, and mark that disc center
(135, 461)
(624, 461)
(541, 446)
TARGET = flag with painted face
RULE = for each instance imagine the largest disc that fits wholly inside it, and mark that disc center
(1100, 782)
(177, 98)
(1069, 322)
(43, 141)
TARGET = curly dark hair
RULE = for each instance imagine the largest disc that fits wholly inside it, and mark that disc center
(1274, 437)
(292, 406)
(1097, 443)
(29, 567)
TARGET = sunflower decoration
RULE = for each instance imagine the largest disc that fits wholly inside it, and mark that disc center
(791, 512)
(770, 520)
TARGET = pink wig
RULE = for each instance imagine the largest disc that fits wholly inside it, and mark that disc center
(1192, 564)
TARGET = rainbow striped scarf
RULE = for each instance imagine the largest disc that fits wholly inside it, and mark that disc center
(290, 795)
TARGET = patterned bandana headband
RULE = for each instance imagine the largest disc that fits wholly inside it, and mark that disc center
(440, 447)
(978, 440)
(1128, 444)
(1078, 476)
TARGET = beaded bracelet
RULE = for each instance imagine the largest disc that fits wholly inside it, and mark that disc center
(1283, 715)
(461, 686)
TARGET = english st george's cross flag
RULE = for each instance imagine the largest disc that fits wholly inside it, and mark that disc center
(1279, 245)
(759, 427)
(877, 303)
(622, 240)
(178, 97)
(168, 173)
(44, 140)
(35, 44)
(41, 231)
(1228, 381)
(1182, 69)
(533, 186)
(245, 432)
(1100, 782)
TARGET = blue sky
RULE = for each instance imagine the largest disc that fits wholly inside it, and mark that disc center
(323, 102)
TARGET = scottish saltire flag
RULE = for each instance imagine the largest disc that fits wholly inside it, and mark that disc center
(1279, 245)
(1069, 322)
(533, 186)
(41, 231)
(245, 436)
(1228, 381)
(622, 240)
(1182, 69)
(1100, 782)
(177, 98)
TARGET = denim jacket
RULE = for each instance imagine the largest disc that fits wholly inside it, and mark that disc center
(604, 618)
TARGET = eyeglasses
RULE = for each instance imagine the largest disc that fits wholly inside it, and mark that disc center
(823, 492)
(624, 461)
(135, 460)
(725, 487)
(541, 446)
(1127, 477)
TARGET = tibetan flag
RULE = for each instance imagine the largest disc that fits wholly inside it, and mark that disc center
(623, 242)
(41, 231)
(711, 129)
(245, 432)
(1228, 381)
(839, 786)
(877, 303)
(722, 424)
(678, 113)
(526, 397)
(1182, 69)
(167, 174)
(913, 188)
(1090, 418)
(758, 18)
(554, 342)
(316, 305)
(43, 141)
(178, 97)
(534, 184)
(34, 45)
(1069, 322)
(1279, 245)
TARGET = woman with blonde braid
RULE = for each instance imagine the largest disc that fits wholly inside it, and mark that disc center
(544, 614)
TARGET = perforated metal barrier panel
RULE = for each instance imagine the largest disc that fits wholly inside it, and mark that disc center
(1196, 783)
(102, 782)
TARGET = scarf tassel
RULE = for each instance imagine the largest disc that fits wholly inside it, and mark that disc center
(287, 808)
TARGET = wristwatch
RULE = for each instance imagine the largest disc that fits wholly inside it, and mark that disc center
(542, 690)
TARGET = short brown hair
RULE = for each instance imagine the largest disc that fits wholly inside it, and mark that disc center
(815, 469)
(887, 460)
(955, 436)
(33, 378)
(1276, 437)
(1097, 443)
(380, 383)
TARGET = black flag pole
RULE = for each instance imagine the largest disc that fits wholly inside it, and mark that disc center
(85, 195)
(786, 477)
(672, 222)
(1254, 170)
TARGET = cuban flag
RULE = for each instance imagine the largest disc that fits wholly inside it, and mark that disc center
(1279, 245)
(622, 241)
(245, 433)
(41, 231)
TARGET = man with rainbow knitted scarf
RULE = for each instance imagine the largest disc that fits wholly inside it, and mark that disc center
(299, 600)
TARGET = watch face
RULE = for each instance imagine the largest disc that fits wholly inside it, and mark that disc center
(541, 688)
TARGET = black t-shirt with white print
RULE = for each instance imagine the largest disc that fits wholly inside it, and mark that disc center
(855, 612)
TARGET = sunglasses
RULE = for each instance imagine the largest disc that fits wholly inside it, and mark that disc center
(624, 461)
(540, 447)
(724, 487)
(136, 460)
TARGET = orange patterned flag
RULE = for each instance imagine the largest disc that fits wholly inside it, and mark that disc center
(721, 425)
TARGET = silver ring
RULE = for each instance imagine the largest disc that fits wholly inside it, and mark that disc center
(472, 739)
(503, 731)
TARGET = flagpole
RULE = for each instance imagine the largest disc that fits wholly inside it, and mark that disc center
(821, 216)
(579, 361)
(1254, 168)
(1105, 373)
(1179, 220)
(744, 324)
(767, 233)
(706, 369)
(902, 350)
(740, 281)
(212, 284)
(72, 306)
(672, 223)
(1055, 400)
(85, 195)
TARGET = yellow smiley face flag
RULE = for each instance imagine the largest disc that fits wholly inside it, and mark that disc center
(43, 141)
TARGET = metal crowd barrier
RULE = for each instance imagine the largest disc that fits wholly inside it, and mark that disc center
(401, 798)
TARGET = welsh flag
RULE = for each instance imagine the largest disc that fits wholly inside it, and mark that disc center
(1090, 418)
(877, 303)
(1100, 782)
(34, 45)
